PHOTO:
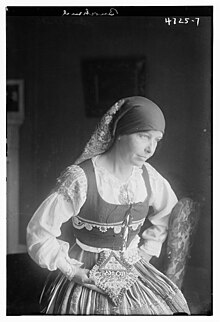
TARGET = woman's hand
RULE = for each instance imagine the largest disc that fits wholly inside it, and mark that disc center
(81, 277)
(144, 255)
(77, 274)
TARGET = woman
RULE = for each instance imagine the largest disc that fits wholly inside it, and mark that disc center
(107, 193)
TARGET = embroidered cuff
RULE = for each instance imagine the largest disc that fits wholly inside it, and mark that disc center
(68, 266)
(152, 247)
(71, 271)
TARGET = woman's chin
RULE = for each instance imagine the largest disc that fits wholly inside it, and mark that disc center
(139, 161)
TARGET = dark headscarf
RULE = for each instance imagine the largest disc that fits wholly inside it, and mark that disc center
(138, 114)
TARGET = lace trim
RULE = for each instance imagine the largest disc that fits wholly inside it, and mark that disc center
(72, 183)
(117, 227)
(126, 195)
(101, 139)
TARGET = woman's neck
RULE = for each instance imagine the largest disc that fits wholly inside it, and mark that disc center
(114, 162)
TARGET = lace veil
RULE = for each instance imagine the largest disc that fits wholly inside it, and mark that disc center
(102, 138)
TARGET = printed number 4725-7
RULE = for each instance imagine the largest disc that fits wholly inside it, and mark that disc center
(181, 20)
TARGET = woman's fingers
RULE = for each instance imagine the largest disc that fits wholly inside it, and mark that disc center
(81, 277)
(89, 281)
(94, 288)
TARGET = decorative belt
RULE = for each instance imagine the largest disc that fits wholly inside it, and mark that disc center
(131, 254)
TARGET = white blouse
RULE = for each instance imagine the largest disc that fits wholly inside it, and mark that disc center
(44, 227)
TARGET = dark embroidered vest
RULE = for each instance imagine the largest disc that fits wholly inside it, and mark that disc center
(99, 223)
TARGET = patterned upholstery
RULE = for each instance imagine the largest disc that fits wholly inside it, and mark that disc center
(182, 224)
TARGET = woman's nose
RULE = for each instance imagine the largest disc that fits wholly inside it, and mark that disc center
(149, 147)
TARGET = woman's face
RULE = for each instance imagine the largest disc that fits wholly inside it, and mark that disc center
(138, 147)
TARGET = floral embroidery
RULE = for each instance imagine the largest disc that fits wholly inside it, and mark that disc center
(117, 227)
(71, 183)
(88, 226)
(125, 196)
(103, 229)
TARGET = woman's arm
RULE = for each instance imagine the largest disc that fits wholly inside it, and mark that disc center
(163, 199)
(44, 227)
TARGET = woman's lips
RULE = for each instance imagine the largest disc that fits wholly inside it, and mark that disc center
(142, 157)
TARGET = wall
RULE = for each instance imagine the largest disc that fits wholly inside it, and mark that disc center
(47, 51)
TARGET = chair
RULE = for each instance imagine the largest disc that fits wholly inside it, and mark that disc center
(182, 225)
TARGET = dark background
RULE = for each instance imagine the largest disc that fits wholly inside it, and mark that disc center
(47, 52)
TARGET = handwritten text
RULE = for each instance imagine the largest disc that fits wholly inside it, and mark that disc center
(86, 12)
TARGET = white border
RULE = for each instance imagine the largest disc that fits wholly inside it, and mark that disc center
(216, 142)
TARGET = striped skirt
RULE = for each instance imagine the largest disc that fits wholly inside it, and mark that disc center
(152, 294)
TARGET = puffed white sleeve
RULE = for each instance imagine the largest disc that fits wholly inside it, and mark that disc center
(162, 199)
(44, 227)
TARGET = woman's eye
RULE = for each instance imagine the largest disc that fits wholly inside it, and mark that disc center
(144, 136)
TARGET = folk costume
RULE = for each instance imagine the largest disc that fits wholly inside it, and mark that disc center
(107, 216)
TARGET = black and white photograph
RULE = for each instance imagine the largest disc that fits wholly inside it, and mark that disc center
(109, 160)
